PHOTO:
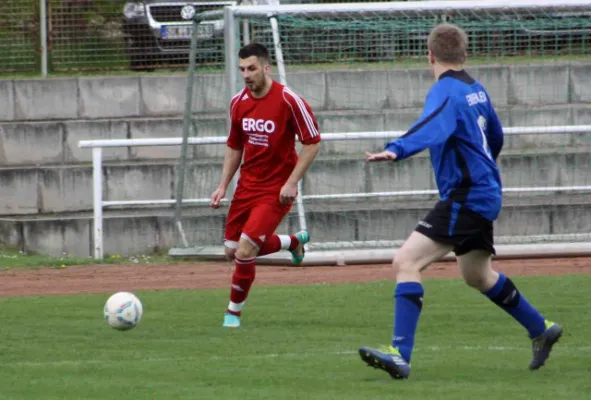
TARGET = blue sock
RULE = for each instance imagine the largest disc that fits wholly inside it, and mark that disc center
(408, 305)
(505, 295)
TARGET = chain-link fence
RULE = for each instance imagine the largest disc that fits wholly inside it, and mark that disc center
(83, 35)
(105, 34)
(109, 34)
(76, 34)
(19, 33)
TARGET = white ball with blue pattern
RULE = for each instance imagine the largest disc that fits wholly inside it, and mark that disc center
(123, 311)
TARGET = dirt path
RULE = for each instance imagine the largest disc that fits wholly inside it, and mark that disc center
(112, 278)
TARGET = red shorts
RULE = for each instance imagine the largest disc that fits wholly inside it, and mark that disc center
(253, 219)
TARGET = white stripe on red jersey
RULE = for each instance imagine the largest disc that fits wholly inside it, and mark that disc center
(303, 111)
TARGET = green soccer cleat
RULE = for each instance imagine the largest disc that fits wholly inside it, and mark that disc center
(542, 345)
(297, 255)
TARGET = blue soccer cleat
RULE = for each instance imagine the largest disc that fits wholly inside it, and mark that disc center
(542, 345)
(390, 361)
(231, 321)
(297, 255)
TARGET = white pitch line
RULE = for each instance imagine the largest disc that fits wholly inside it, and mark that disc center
(272, 355)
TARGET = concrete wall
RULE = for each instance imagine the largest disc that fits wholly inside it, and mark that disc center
(46, 178)
(138, 233)
(163, 96)
(56, 142)
(56, 189)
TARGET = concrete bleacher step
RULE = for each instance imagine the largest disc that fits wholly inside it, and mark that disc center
(62, 188)
(390, 88)
(133, 232)
(56, 142)
(45, 142)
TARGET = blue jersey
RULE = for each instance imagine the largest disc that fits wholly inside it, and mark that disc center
(461, 129)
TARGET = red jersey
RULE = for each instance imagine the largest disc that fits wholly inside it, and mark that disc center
(265, 129)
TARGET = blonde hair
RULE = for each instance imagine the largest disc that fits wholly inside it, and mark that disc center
(448, 43)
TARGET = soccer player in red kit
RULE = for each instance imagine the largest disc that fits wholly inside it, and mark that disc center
(266, 118)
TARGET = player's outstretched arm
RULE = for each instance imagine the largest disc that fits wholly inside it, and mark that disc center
(289, 191)
(232, 160)
(436, 124)
(385, 155)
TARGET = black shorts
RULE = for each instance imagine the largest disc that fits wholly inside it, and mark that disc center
(456, 225)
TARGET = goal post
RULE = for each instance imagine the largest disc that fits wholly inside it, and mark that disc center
(362, 67)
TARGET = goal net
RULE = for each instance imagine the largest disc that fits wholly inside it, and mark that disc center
(363, 69)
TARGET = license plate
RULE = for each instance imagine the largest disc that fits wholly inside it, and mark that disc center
(176, 32)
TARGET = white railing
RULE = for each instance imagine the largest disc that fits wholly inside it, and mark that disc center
(99, 203)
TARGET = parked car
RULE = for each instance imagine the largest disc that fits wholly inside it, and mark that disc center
(158, 32)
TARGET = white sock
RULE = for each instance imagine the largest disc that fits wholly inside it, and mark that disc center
(285, 241)
(236, 307)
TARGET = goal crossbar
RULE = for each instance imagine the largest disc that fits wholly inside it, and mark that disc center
(393, 8)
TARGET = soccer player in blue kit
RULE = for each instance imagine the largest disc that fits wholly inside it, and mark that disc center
(461, 129)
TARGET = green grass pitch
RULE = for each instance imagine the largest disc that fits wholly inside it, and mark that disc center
(297, 342)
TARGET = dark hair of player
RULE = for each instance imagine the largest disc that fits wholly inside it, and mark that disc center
(255, 49)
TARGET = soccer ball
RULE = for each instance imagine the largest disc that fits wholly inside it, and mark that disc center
(123, 311)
